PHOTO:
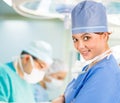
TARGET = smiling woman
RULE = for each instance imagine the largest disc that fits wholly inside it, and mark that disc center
(98, 81)
(88, 44)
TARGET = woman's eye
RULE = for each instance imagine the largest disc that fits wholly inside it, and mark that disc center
(86, 38)
(74, 40)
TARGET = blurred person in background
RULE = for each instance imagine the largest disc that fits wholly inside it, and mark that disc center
(29, 68)
(53, 83)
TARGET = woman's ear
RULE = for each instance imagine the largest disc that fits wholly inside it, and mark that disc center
(106, 35)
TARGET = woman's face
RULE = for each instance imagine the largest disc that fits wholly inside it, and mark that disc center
(90, 45)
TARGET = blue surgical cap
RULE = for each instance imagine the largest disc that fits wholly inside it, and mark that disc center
(89, 16)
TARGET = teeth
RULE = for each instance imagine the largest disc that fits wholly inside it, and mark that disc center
(84, 52)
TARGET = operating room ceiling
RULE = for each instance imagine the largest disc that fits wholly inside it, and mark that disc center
(52, 9)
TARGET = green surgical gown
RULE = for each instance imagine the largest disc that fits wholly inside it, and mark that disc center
(13, 89)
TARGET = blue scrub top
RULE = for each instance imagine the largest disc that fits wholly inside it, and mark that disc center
(13, 89)
(101, 84)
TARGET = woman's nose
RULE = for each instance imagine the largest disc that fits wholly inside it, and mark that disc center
(80, 45)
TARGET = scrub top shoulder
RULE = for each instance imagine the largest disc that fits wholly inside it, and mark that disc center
(13, 89)
(99, 85)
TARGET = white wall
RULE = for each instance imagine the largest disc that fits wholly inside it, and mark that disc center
(16, 34)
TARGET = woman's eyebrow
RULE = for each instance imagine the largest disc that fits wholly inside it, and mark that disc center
(85, 34)
(82, 35)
